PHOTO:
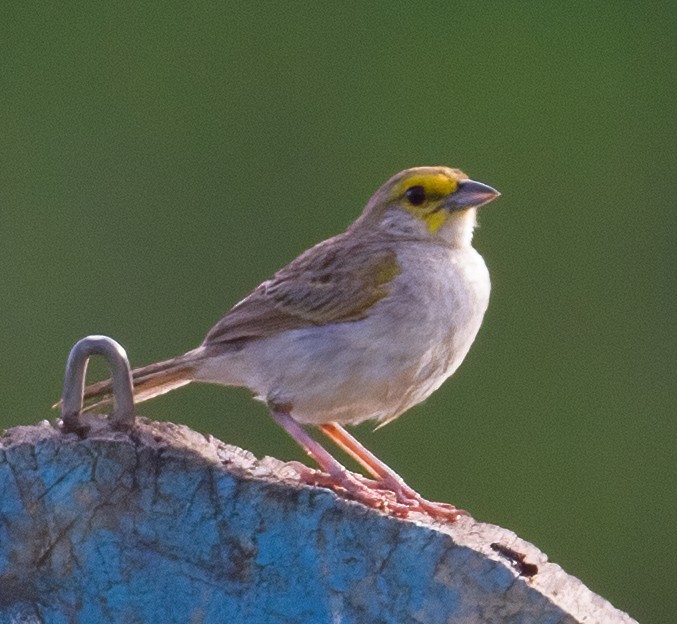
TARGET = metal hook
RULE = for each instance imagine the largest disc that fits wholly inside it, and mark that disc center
(74, 384)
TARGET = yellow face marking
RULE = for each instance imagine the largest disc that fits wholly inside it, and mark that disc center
(434, 220)
(435, 184)
(437, 187)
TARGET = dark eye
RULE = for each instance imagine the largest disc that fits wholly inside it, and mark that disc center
(415, 195)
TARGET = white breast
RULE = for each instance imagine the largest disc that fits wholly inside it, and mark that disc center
(377, 367)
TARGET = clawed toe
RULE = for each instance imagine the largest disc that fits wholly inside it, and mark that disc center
(396, 499)
(410, 497)
(353, 486)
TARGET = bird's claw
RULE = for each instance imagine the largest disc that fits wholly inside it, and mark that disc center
(406, 495)
(392, 498)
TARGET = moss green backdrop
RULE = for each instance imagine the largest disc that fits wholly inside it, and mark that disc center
(157, 161)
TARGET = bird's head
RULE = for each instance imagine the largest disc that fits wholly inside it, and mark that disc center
(428, 203)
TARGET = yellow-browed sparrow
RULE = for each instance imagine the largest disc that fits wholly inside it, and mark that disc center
(360, 327)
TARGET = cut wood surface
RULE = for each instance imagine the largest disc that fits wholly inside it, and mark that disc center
(167, 525)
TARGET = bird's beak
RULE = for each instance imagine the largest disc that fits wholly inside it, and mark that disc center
(470, 194)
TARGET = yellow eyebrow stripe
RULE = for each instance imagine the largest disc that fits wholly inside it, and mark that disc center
(435, 184)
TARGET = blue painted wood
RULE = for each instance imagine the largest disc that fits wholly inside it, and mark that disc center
(166, 526)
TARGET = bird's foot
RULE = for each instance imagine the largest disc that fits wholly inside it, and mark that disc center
(387, 480)
(388, 495)
(406, 495)
(357, 487)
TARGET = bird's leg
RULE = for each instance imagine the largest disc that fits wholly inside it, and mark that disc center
(386, 476)
(360, 489)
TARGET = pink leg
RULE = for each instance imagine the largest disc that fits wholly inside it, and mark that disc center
(360, 489)
(386, 476)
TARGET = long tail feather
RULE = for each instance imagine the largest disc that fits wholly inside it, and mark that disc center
(149, 381)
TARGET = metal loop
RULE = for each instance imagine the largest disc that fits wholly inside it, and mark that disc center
(74, 384)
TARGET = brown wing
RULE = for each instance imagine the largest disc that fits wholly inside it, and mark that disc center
(335, 281)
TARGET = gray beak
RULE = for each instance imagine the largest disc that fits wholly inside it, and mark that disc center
(470, 194)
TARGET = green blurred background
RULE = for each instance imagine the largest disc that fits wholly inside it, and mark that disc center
(160, 160)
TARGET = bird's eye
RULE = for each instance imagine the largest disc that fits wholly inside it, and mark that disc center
(415, 195)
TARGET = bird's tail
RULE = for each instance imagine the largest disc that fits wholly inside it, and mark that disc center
(149, 381)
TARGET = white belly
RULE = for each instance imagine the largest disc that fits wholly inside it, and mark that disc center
(377, 367)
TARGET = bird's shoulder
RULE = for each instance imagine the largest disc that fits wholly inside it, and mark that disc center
(338, 280)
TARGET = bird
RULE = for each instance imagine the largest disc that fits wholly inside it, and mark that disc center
(360, 327)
